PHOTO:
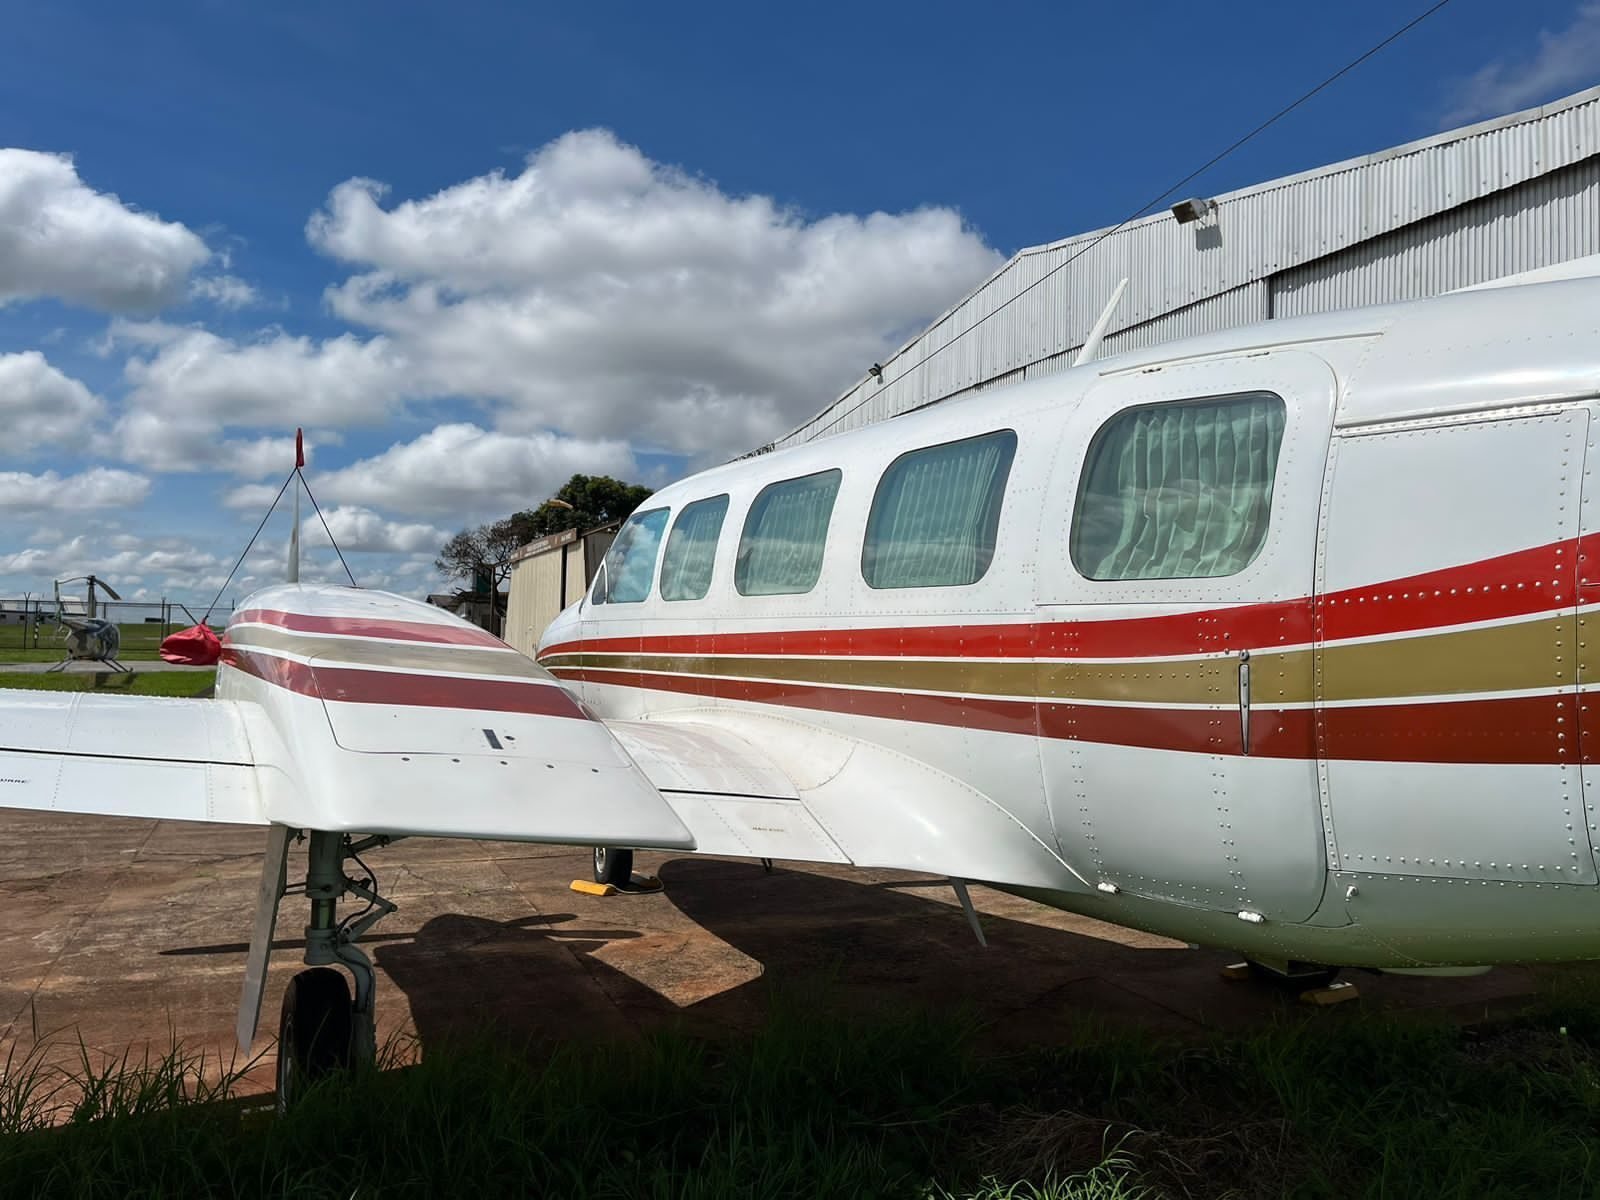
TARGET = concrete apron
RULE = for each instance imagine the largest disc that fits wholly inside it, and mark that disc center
(131, 934)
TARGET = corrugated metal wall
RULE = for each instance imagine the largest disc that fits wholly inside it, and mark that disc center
(1197, 278)
(1546, 220)
(1240, 306)
(535, 588)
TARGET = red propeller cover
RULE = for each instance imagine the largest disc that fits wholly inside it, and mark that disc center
(197, 646)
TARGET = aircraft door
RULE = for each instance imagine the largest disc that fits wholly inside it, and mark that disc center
(1176, 565)
(1449, 650)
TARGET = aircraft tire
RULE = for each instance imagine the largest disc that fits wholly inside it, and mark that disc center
(315, 1031)
(1304, 977)
(613, 866)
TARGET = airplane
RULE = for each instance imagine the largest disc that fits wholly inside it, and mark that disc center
(1274, 640)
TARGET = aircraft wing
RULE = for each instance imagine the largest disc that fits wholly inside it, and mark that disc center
(734, 783)
(130, 756)
(733, 798)
(431, 765)
(750, 785)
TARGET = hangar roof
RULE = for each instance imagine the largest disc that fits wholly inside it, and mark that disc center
(1037, 309)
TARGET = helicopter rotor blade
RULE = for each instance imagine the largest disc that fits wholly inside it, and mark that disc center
(108, 589)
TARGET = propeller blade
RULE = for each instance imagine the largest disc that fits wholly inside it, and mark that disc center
(108, 589)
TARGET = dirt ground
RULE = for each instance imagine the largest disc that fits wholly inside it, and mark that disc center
(127, 933)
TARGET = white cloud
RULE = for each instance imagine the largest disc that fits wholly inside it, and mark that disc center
(56, 561)
(142, 566)
(123, 331)
(60, 238)
(98, 487)
(225, 291)
(125, 560)
(40, 406)
(594, 300)
(459, 472)
(191, 386)
(263, 456)
(254, 496)
(361, 530)
(1564, 61)
(277, 381)
(173, 445)
(609, 296)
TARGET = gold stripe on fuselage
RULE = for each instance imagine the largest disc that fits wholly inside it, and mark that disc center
(1508, 657)
(407, 656)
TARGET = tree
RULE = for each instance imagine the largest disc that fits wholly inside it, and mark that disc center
(482, 552)
(583, 502)
(483, 555)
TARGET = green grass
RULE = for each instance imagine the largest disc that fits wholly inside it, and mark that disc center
(141, 641)
(146, 683)
(50, 651)
(1337, 1104)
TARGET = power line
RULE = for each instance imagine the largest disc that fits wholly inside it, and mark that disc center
(1140, 211)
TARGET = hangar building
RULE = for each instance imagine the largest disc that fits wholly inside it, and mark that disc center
(1492, 199)
(546, 576)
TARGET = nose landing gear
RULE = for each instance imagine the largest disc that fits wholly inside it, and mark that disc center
(323, 1027)
(315, 1031)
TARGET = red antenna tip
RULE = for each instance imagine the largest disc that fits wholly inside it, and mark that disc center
(299, 448)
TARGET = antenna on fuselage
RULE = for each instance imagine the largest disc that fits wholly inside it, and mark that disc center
(1098, 333)
(292, 575)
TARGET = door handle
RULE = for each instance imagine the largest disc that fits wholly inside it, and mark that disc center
(1244, 700)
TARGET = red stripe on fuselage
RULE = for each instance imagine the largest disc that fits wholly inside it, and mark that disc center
(1516, 729)
(372, 627)
(1519, 584)
(355, 686)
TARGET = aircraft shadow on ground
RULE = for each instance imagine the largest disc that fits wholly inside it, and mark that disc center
(860, 947)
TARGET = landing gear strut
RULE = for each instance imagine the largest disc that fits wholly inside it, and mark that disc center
(323, 1028)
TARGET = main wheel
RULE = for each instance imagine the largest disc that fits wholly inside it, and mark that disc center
(612, 866)
(314, 1031)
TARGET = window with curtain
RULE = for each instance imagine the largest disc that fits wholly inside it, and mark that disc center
(1179, 491)
(691, 549)
(936, 512)
(630, 564)
(780, 551)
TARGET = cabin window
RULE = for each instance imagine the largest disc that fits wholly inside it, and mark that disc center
(691, 549)
(780, 551)
(936, 512)
(630, 564)
(1178, 491)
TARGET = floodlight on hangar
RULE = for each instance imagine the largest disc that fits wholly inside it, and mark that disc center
(1195, 208)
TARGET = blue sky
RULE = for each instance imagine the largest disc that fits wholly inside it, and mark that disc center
(477, 247)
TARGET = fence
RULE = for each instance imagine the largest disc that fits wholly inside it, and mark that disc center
(30, 623)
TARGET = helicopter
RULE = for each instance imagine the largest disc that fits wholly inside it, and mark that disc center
(89, 638)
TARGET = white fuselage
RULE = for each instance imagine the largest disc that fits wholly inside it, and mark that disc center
(1281, 639)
